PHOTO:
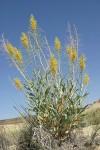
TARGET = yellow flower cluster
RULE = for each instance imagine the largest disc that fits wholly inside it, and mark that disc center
(72, 53)
(82, 62)
(18, 56)
(33, 23)
(86, 79)
(69, 51)
(53, 64)
(24, 39)
(57, 44)
(14, 52)
(18, 83)
(10, 48)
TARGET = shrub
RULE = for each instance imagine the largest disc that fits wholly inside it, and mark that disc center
(55, 98)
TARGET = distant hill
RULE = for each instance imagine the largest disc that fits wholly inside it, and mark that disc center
(94, 106)
(11, 121)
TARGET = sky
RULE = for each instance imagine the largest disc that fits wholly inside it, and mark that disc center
(52, 16)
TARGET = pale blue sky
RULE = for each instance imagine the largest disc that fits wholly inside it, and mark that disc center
(52, 16)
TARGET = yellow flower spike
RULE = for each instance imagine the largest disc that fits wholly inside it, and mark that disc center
(33, 23)
(53, 64)
(14, 52)
(74, 55)
(24, 39)
(57, 44)
(69, 51)
(82, 62)
(10, 48)
(86, 79)
(18, 83)
(18, 56)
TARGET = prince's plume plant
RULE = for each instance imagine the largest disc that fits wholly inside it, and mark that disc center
(55, 98)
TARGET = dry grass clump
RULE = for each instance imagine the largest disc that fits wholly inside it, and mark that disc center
(4, 142)
(25, 139)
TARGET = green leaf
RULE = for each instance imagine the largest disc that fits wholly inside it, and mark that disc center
(47, 91)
